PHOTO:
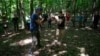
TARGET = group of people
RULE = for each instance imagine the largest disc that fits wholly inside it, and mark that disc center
(36, 22)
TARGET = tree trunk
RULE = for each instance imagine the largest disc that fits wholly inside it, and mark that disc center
(31, 7)
(22, 13)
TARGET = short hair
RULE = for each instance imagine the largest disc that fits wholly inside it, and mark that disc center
(60, 12)
(38, 9)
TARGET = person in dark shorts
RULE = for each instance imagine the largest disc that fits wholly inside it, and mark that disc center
(61, 26)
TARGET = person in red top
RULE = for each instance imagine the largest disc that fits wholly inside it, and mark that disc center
(67, 17)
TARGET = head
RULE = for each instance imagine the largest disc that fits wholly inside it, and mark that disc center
(60, 13)
(38, 10)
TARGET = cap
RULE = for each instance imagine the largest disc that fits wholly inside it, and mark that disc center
(39, 9)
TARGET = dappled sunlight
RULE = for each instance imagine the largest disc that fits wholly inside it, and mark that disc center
(76, 29)
(14, 34)
(62, 52)
(66, 27)
(45, 35)
(6, 41)
(65, 45)
(49, 34)
(25, 42)
(27, 32)
(45, 40)
(22, 42)
(88, 28)
(46, 30)
(83, 29)
(55, 55)
(57, 32)
(53, 30)
(75, 36)
(7, 34)
(82, 51)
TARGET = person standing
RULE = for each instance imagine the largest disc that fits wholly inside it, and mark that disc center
(67, 18)
(15, 20)
(85, 19)
(96, 20)
(80, 19)
(5, 24)
(61, 26)
(35, 23)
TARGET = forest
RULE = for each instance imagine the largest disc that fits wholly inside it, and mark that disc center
(79, 37)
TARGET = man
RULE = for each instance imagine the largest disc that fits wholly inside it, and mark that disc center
(15, 20)
(5, 24)
(96, 20)
(80, 19)
(35, 22)
(85, 19)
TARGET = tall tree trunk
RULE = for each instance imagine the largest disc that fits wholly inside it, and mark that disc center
(40, 3)
(22, 13)
(31, 7)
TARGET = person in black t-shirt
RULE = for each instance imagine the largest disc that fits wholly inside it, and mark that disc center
(96, 20)
(61, 26)
(15, 20)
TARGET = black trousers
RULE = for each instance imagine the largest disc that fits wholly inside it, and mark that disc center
(16, 28)
(37, 35)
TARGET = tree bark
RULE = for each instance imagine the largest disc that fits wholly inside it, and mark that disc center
(31, 7)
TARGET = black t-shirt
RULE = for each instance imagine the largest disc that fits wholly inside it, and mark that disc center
(96, 18)
(62, 24)
(15, 20)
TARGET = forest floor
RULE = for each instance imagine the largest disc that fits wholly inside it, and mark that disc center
(77, 42)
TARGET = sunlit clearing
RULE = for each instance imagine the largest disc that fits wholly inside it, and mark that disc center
(22, 42)
(62, 52)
